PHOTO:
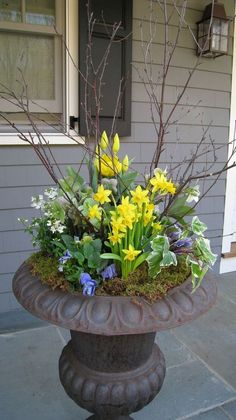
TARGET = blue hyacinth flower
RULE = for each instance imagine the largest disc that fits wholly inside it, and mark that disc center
(109, 272)
(67, 256)
(89, 285)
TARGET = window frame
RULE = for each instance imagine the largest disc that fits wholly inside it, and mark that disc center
(69, 27)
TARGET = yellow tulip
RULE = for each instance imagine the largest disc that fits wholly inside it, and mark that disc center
(116, 144)
(108, 166)
(104, 141)
(125, 164)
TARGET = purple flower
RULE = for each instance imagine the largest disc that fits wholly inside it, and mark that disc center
(182, 246)
(89, 285)
(109, 272)
(67, 256)
(84, 277)
(175, 235)
(184, 243)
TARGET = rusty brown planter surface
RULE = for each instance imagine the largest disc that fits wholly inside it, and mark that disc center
(111, 366)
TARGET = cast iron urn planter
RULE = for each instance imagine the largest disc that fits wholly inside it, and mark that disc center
(112, 366)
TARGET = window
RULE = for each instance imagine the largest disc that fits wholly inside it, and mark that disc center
(31, 55)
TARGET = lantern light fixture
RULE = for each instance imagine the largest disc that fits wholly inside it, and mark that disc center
(213, 31)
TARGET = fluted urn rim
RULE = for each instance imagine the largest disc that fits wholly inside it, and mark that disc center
(110, 315)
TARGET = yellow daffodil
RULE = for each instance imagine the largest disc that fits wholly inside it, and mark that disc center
(161, 184)
(131, 253)
(115, 237)
(108, 166)
(102, 195)
(150, 207)
(139, 196)
(125, 164)
(147, 218)
(104, 142)
(116, 144)
(117, 224)
(171, 187)
(148, 215)
(126, 208)
(128, 220)
(94, 212)
(157, 226)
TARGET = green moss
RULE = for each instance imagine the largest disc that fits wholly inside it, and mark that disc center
(137, 284)
(140, 284)
(46, 268)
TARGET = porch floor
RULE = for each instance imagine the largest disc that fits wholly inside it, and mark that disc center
(200, 357)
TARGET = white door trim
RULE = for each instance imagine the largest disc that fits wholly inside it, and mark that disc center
(229, 264)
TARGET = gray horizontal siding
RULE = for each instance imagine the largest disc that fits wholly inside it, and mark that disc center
(8, 302)
(193, 96)
(206, 78)
(208, 96)
(5, 283)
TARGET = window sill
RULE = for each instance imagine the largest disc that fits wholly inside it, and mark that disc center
(9, 139)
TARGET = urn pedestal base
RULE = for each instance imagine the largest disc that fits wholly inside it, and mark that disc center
(113, 376)
(111, 367)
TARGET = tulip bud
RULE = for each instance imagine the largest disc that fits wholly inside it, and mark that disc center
(116, 144)
(104, 141)
(125, 163)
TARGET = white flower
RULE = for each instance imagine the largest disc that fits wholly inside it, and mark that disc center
(60, 229)
(22, 220)
(56, 226)
(51, 193)
(49, 223)
(37, 202)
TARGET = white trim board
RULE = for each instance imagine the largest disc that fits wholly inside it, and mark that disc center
(229, 264)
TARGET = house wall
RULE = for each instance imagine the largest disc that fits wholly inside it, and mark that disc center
(22, 175)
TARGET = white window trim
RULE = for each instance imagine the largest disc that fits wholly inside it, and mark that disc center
(70, 88)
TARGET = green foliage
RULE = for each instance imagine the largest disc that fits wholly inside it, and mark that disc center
(179, 209)
(72, 183)
(126, 182)
(85, 257)
(160, 256)
(197, 226)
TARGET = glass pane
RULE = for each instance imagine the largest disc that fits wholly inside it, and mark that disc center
(207, 27)
(224, 28)
(34, 56)
(10, 10)
(224, 44)
(40, 12)
(204, 43)
(215, 42)
(200, 30)
(216, 26)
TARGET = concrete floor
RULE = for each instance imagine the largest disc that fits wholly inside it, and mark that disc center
(200, 382)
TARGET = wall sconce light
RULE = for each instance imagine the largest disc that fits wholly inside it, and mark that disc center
(213, 31)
